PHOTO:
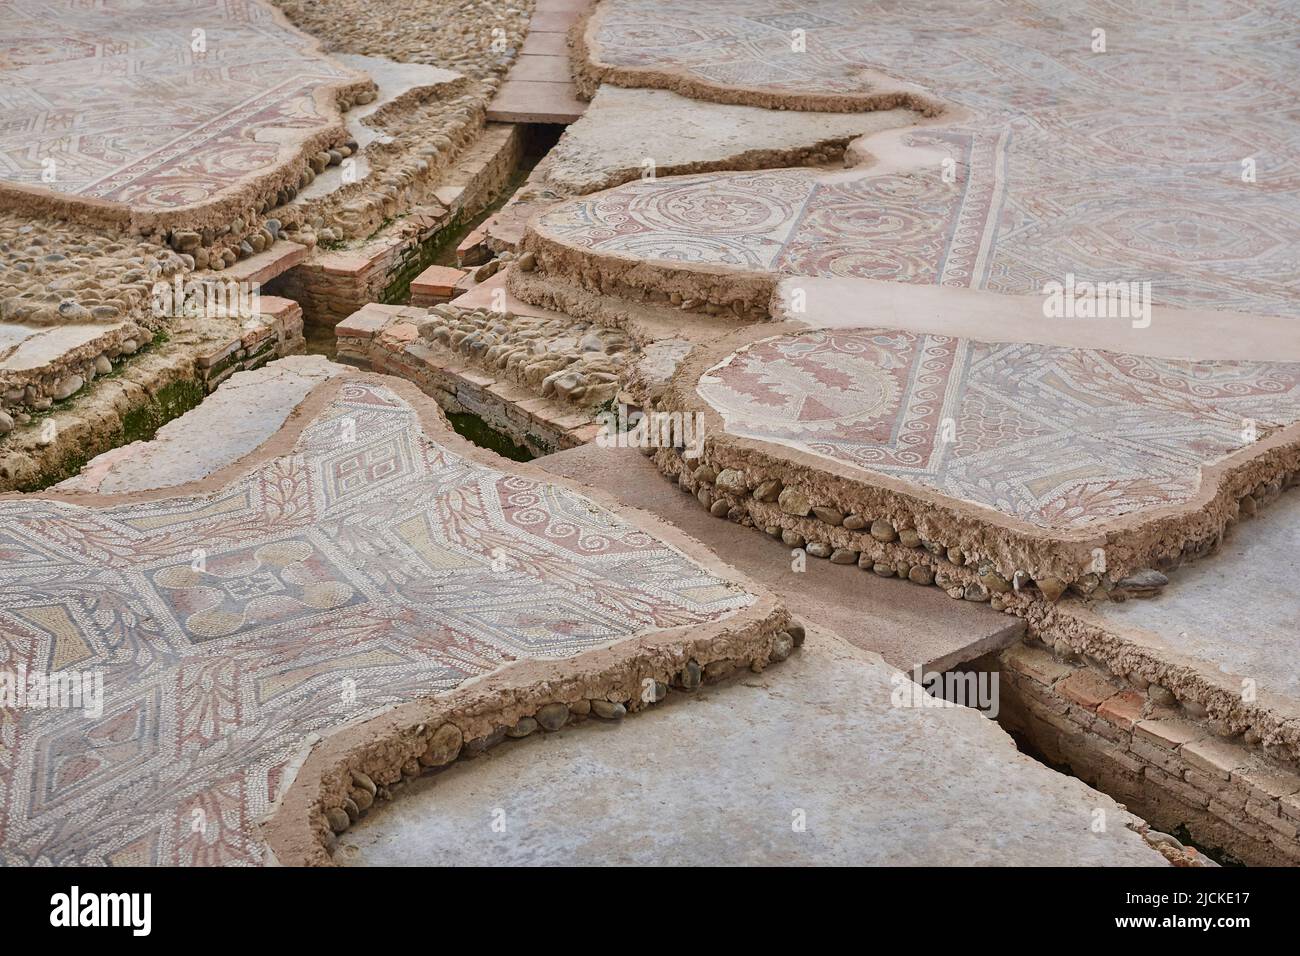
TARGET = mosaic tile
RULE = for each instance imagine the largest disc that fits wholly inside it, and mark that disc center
(153, 106)
(1061, 438)
(366, 566)
(1126, 165)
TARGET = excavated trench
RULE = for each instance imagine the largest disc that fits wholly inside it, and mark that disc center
(442, 249)
(1073, 754)
(1029, 747)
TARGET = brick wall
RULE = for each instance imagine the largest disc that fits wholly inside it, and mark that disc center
(1162, 764)
(384, 338)
(331, 285)
(275, 333)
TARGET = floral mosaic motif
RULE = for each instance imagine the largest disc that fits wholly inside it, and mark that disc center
(674, 219)
(1066, 160)
(365, 567)
(125, 102)
(1061, 438)
(264, 585)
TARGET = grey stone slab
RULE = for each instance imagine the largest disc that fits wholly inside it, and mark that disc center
(1237, 610)
(45, 345)
(622, 129)
(908, 624)
(723, 775)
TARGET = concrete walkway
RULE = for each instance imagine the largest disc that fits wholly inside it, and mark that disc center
(808, 763)
(539, 88)
(909, 626)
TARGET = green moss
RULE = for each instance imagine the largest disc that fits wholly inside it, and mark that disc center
(440, 248)
(258, 361)
(138, 424)
(171, 401)
(433, 249)
(608, 407)
(485, 436)
(217, 368)
(541, 444)
(383, 224)
(66, 467)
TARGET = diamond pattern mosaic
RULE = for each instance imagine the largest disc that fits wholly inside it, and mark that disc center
(1058, 437)
(366, 567)
(152, 105)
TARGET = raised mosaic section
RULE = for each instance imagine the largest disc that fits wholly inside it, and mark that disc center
(1161, 158)
(1060, 438)
(158, 107)
(357, 567)
(1000, 472)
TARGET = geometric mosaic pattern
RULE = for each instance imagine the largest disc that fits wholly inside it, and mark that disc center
(132, 106)
(1125, 165)
(1058, 437)
(365, 567)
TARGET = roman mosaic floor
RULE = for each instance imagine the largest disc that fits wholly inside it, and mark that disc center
(364, 565)
(993, 423)
(1170, 157)
(1063, 146)
(826, 236)
(156, 106)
